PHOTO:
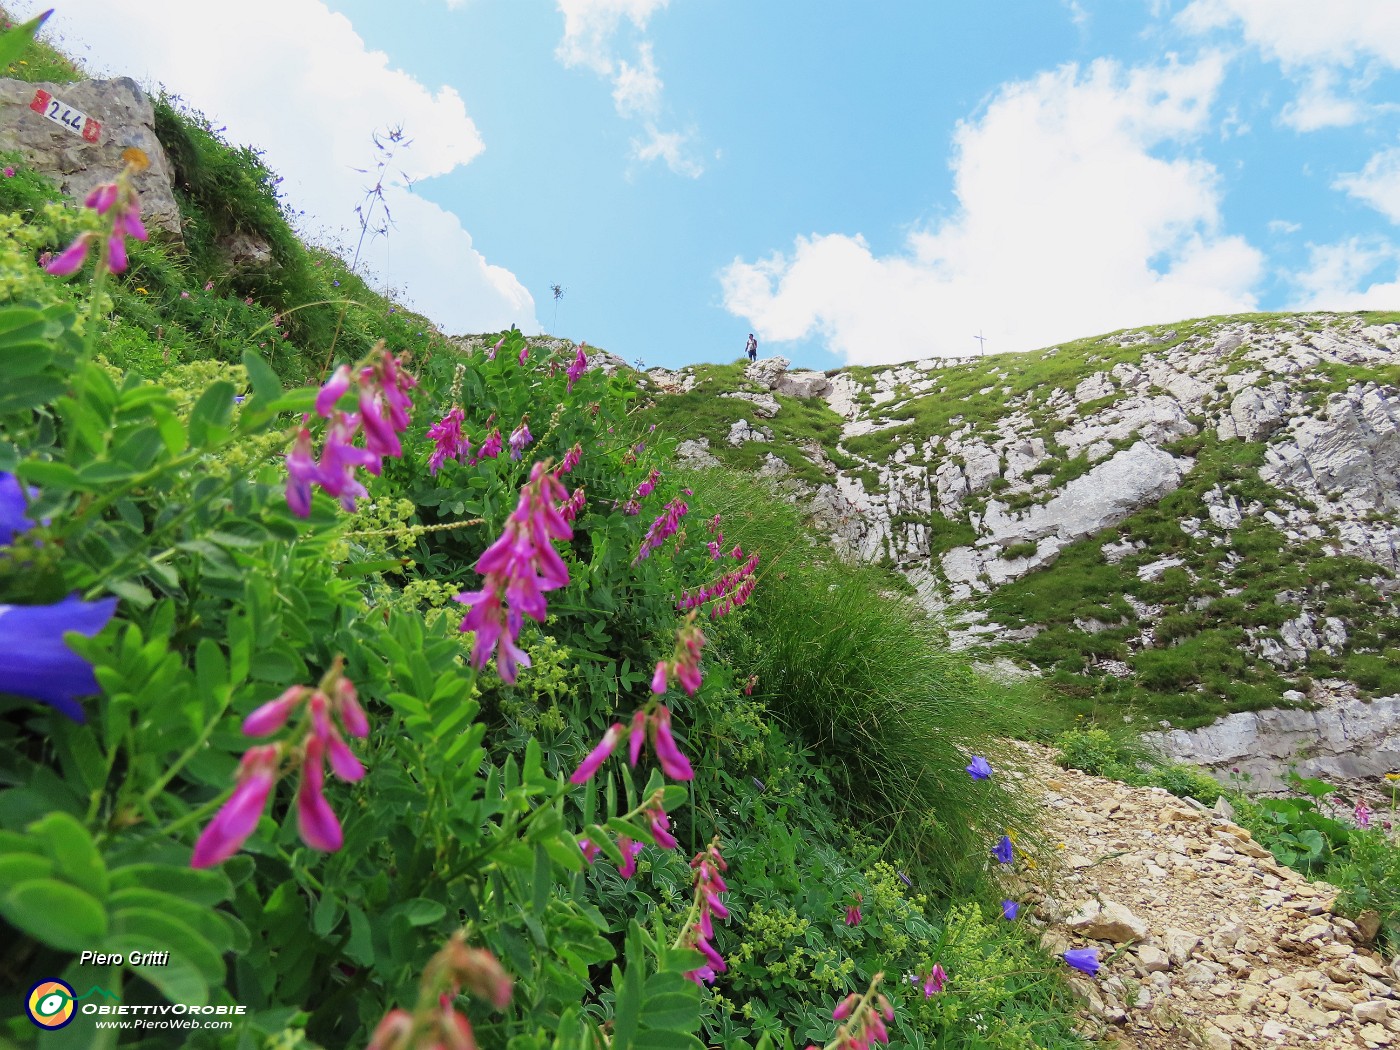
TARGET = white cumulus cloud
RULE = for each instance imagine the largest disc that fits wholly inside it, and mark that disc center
(592, 32)
(1350, 275)
(1378, 183)
(1313, 42)
(1075, 214)
(1307, 32)
(310, 93)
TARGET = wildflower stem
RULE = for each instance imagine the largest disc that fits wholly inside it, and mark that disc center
(99, 279)
(189, 753)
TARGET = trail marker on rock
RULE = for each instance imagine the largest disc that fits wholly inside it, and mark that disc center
(76, 121)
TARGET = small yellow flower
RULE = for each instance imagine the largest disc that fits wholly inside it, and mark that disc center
(1061, 846)
(142, 291)
(136, 158)
(23, 62)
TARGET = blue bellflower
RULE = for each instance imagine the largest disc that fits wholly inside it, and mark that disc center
(1002, 851)
(1085, 960)
(12, 507)
(34, 661)
(979, 768)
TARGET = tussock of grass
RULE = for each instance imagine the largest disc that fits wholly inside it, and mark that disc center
(863, 677)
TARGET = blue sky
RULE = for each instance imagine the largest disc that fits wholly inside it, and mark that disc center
(855, 182)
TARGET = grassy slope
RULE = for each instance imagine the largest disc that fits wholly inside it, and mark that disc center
(1196, 670)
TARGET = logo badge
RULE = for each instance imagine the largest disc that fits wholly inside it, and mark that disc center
(50, 1003)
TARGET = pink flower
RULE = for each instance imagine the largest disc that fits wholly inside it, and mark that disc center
(524, 353)
(520, 437)
(519, 567)
(595, 758)
(708, 883)
(448, 440)
(589, 850)
(645, 488)
(579, 366)
(9, 172)
(490, 448)
(573, 506)
(273, 715)
(1363, 815)
(660, 825)
(934, 982)
(316, 821)
(853, 915)
(844, 1007)
(238, 817)
(673, 762)
(629, 850)
(662, 528)
(334, 388)
(302, 472)
(570, 460)
(71, 258)
(685, 662)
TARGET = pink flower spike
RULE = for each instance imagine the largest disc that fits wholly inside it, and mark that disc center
(71, 259)
(933, 984)
(660, 680)
(238, 817)
(673, 762)
(331, 392)
(637, 738)
(595, 758)
(844, 1008)
(316, 821)
(853, 915)
(273, 715)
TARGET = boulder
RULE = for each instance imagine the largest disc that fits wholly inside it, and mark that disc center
(803, 384)
(1107, 921)
(766, 371)
(77, 165)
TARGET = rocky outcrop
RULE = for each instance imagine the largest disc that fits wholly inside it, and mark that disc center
(126, 118)
(1349, 740)
(973, 475)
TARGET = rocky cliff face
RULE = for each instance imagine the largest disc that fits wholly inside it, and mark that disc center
(77, 162)
(1183, 522)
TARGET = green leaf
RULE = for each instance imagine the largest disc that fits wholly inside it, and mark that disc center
(55, 913)
(178, 979)
(211, 671)
(266, 386)
(153, 927)
(28, 392)
(70, 847)
(49, 475)
(209, 419)
(421, 911)
(13, 43)
(673, 1010)
(199, 887)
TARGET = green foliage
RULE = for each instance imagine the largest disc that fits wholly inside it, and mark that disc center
(858, 673)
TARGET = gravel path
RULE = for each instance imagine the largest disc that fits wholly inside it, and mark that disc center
(1207, 941)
